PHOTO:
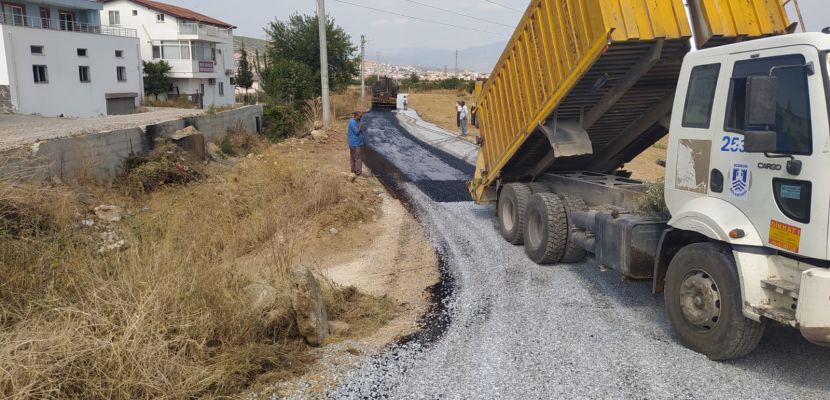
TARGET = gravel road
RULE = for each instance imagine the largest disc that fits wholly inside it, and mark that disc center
(18, 130)
(512, 329)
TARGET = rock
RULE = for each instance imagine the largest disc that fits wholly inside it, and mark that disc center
(338, 328)
(190, 130)
(107, 248)
(333, 231)
(261, 296)
(108, 213)
(214, 151)
(318, 125)
(308, 305)
(250, 155)
(88, 222)
(319, 135)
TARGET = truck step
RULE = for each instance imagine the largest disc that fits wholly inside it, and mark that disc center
(782, 315)
(781, 286)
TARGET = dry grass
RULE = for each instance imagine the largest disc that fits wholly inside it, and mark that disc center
(438, 107)
(179, 102)
(166, 317)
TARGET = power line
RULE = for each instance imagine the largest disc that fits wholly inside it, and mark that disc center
(418, 18)
(504, 6)
(458, 13)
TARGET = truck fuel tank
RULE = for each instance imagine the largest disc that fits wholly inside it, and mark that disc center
(628, 243)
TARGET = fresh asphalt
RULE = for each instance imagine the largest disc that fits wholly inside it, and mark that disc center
(504, 327)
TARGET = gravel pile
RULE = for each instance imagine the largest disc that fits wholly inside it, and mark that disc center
(23, 130)
(519, 330)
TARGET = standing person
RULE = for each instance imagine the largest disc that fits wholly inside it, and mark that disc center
(356, 143)
(458, 113)
(462, 115)
(405, 103)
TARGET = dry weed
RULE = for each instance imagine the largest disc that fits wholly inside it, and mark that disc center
(166, 317)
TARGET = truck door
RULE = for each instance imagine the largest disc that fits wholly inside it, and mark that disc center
(787, 205)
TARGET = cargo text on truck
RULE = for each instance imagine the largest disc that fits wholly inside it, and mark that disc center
(580, 92)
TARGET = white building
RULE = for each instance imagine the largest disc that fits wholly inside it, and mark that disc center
(198, 47)
(57, 59)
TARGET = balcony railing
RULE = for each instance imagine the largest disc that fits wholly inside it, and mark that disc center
(193, 28)
(65, 25)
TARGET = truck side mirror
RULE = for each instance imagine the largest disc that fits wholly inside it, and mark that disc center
(760, 141)
(761, 98)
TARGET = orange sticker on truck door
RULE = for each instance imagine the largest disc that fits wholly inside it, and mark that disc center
(785, 236)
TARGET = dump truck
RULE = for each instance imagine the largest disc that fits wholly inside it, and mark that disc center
(583, 87)
(385, 93)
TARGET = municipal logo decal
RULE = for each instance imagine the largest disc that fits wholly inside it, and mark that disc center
(739, 181)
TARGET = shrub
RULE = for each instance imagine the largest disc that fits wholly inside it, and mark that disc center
(280, 121)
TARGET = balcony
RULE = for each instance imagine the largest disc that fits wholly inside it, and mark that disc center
(197, 29)
(65, 25)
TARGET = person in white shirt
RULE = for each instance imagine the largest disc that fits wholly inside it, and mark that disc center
(462, 116)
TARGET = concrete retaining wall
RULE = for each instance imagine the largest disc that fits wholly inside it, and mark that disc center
(102, 155)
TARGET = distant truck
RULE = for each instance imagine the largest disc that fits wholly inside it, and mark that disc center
(580, 91)
(385, 93)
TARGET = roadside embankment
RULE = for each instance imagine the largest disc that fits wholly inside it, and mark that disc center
(185, 290)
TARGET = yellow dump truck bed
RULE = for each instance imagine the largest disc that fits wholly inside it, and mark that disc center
(602, 68)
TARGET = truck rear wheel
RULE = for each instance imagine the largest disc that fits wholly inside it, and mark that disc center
(539, 187)
(511, 211)
(703, 301)
(573, 252)
(546, 228)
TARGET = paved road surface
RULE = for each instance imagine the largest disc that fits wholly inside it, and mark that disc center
(512, 329)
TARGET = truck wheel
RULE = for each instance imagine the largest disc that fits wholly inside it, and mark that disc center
(511, 211)
(573, 252)
(539, 187)
(703, 301)
(546, 228)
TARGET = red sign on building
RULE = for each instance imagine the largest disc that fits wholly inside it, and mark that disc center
(205, 66)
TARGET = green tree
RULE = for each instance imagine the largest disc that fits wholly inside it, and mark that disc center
(297, 39)
(156, 77)
(244, 73)
(414, 78)
(289, 81)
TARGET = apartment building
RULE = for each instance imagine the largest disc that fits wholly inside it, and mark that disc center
(57, 59)
(199, 48)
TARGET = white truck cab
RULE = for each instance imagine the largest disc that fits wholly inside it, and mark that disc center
(748, 186)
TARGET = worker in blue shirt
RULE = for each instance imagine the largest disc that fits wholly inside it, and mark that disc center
(356, 143)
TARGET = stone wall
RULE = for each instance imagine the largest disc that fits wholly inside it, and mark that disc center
(102, 155)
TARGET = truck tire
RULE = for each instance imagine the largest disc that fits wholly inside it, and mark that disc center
(703, 301)
(539, 187)
(573, 252)
(546, 228)
(511, 211)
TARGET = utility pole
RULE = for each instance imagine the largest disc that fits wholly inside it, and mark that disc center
(362, 66)
(324, 60)
(456, 61)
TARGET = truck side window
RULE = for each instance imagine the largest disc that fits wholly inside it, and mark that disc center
(792, 116)
(700, 96)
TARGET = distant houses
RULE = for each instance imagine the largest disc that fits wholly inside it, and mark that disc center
(198, 47)
(57, 58)
(82, 58)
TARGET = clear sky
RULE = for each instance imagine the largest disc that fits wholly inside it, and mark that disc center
(383, 30)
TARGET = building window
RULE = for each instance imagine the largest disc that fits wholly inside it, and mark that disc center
(36, 50)
(121, 72)
(159, 17)
(40, 75)
(115, 18)
(135, 13)
(45, 18)
(18, 15)
(221, 88)
(119, 53)
(66, 20)
(81, 52)
(83, 73)
(172, 50)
